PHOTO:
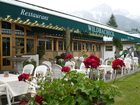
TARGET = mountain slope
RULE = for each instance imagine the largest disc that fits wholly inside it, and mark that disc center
(103, 12)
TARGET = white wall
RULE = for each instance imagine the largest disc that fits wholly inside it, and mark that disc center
(110, 54)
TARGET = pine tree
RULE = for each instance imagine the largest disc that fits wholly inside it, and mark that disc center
(116, 42)
(112, 22)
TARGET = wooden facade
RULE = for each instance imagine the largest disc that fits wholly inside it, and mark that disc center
(48, 43)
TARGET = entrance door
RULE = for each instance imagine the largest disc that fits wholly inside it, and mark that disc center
(6, 53)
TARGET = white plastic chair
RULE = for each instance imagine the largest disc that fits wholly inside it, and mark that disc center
(83, 69)
(41, 70)
(81, 59)
(48, 63)
(70, 64)
(4, 91)
(136, 63)
(127, 62)
(56, 71)
(76, 58)
(28, 68)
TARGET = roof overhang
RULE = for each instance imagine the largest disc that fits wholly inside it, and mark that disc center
(22, 13)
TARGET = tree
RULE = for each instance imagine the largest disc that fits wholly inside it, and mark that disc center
(116, 42)
(112, 22)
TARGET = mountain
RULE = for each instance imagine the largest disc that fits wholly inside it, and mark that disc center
(127, 24)
(102, 13)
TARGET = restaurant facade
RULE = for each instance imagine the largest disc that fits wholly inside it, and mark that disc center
(29, 29)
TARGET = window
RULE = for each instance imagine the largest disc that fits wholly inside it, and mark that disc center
(79, 45)
(60, 45)
(30, 33)
(98, 48)
(89, 46)
(75, 46)
(54, 44)
(49, 44)
(30, 46)
(19, 30)
(109, 48)
(6, 28)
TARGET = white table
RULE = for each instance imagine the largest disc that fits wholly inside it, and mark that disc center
(16, 88)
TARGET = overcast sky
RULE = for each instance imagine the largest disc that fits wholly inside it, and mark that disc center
(132, 6)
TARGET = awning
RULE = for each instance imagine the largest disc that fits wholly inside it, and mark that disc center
(22, 13)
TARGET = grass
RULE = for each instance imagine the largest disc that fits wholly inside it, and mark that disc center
(130, 90)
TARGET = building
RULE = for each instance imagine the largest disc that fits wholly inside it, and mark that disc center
(30, 29)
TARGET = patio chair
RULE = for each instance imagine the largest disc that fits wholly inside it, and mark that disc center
(28, 69)
(4, 91)
(83, 69)
(128, 63)
(41, 70)
(56, 71)
(71, 64)
(48, 63)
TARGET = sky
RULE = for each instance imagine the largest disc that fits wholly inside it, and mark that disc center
(68, 6)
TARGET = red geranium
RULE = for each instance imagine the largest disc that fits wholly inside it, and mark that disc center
(38, 99)
(65, 69)
(117, 64)
(68, 56)
(92, 62)
(23, 77)
(23, 102)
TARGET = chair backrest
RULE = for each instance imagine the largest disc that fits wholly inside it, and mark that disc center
(128, 63)
(5, 91)
(41, 70)
(70, 64)
(81, 59)
(76, 58)
(108, 62)
(47, 63)
(57, 73)
(82, 66)
(28, 68)
(101, 61)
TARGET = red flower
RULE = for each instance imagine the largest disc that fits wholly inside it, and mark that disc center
(65, 69)
(23, 77)
(38, 99)
(68, 56)
(23, 102)
(92, 62)
(117, 64)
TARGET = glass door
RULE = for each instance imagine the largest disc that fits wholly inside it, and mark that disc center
(6, 56)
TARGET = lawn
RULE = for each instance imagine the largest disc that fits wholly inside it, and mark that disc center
(130, 90)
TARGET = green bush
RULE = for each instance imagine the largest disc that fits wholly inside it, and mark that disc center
(76, 89)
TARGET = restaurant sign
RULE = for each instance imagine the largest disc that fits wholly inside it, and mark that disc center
(99, 30)
(33, 15)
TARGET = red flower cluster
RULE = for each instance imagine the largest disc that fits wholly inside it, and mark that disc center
(65, 69)
(68, 56)
(38, 99)
(117, 64)
(92, 62)
(23, 77)
(23, 102)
